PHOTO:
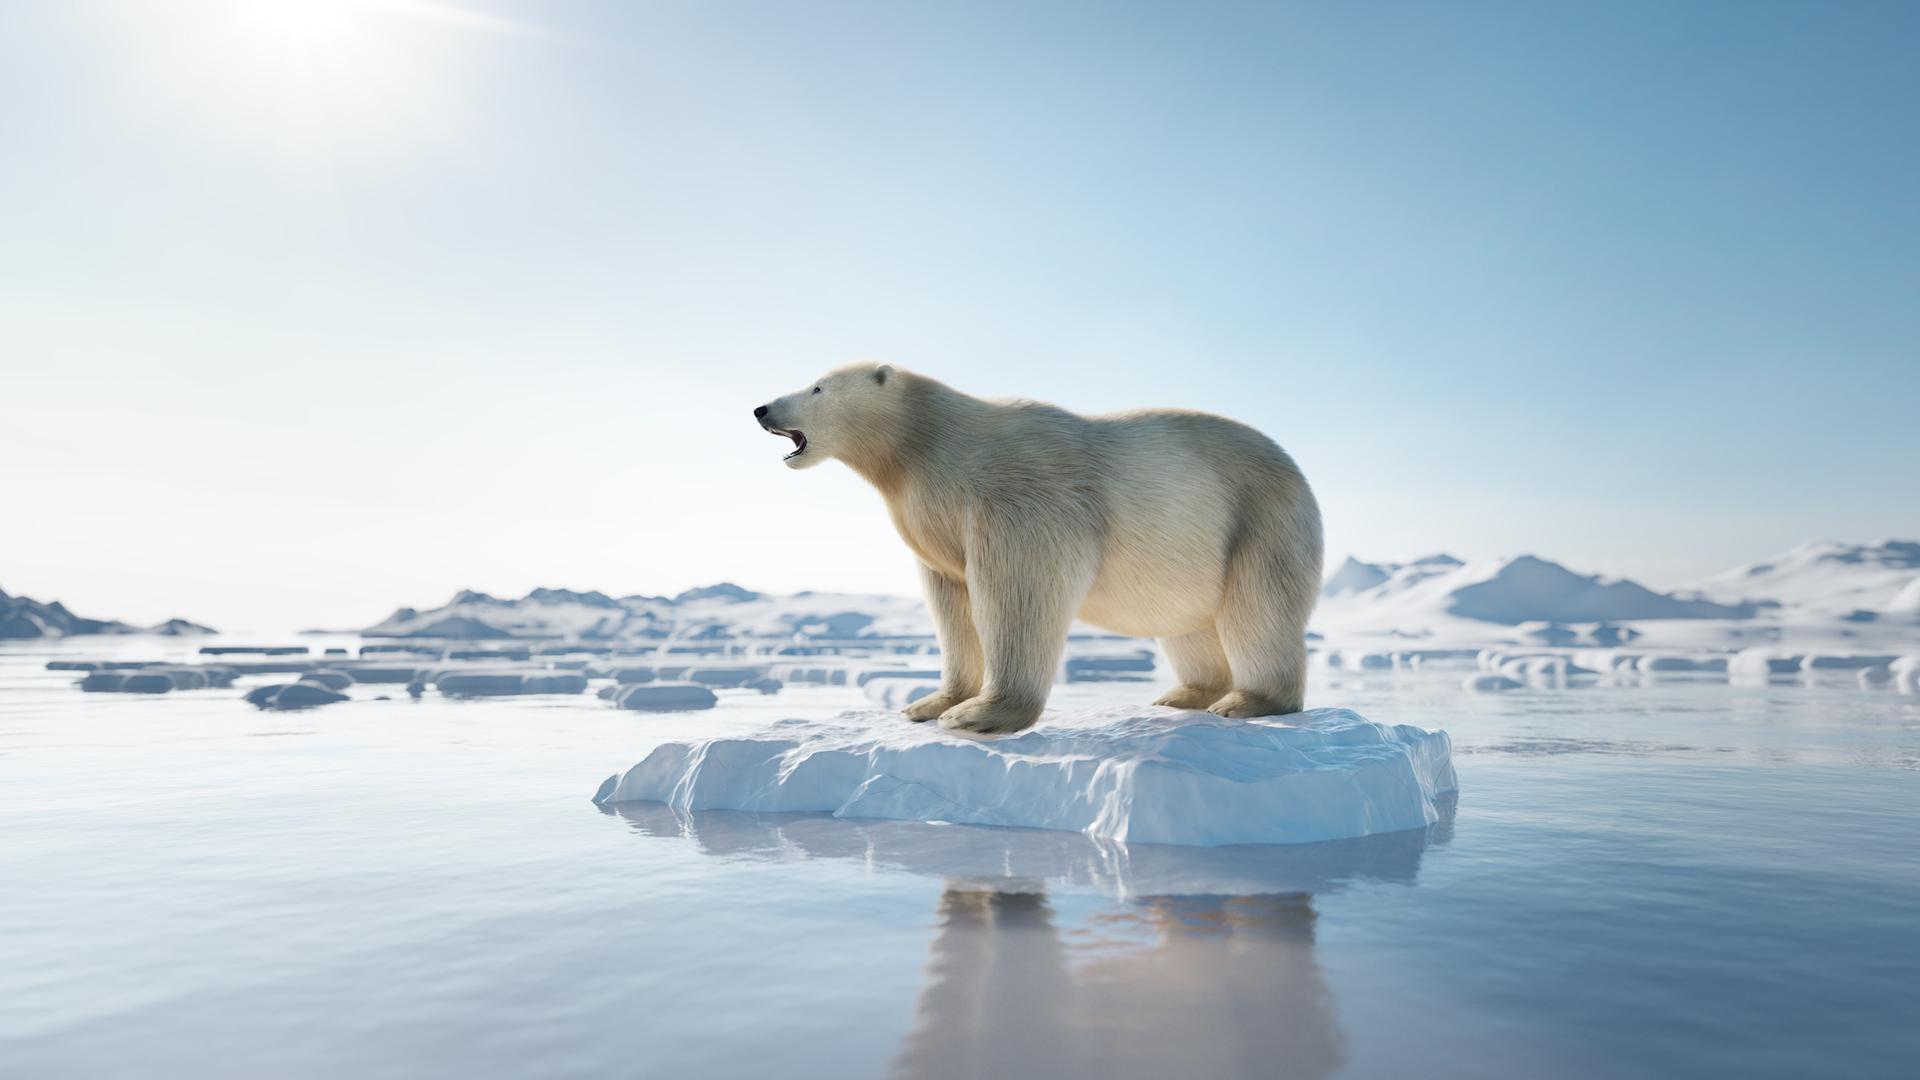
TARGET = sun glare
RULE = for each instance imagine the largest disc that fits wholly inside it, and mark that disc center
(298, 25)
(314, 77)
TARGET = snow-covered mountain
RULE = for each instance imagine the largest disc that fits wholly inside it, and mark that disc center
(1828, 578)
(1817, 589)
(1438, 596)
(1355, 576)
(24, 617)
(1428, 594)
(714, 612)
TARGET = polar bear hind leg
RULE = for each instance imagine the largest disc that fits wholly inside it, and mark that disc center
(1201, 666)
(1263, 625)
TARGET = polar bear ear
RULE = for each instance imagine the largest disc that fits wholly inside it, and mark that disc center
(881, 373)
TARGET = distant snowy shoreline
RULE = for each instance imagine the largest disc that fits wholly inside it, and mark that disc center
(1822, 595)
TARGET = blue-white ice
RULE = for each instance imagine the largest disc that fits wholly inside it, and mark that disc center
(1139, 775)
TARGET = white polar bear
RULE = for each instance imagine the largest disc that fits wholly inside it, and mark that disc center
(1158, 523)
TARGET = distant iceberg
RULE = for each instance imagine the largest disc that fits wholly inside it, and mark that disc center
(1152, 776)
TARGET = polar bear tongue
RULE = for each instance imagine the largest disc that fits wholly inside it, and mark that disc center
(799, 442)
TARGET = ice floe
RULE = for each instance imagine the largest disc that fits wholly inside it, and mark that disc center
(1151, 775)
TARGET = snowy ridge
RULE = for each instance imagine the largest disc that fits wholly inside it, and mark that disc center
(713, 613)
(1511, 591)
(1160, 776)
(1820, 588)
(1355, 576)
(1827, 577)
(24, 617)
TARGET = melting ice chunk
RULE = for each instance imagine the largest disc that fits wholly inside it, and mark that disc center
(1157, 776)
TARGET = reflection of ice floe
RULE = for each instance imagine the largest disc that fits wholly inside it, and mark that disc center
(1156, 776)
(1207, 967)
(1024, 859)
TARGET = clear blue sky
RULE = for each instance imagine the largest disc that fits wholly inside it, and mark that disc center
(309, 309)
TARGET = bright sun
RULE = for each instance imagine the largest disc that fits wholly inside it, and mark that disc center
(316, 76)
(304, 25)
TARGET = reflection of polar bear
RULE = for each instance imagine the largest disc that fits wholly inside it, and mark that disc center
(1164, 986)
(1157, 523)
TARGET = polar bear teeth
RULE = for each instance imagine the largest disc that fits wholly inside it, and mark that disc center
(799, 442)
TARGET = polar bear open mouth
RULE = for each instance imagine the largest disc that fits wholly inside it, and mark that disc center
(799, 441)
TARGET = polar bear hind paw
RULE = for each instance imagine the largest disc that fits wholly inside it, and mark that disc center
(986, 716)
(1244, 704)
(931, 706)
(1189, 697)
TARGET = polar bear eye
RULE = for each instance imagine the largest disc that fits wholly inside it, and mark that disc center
(816, 389)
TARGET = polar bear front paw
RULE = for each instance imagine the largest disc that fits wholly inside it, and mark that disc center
(1189, 697)
(1244, 704)
(931, 706)
(988, 716)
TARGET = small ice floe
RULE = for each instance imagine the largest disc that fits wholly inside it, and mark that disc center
(507, 683)
(253, 650)
(664, 697)
(1842, 662)
(1123, 665)
(1872, 678)
(897, 694)
(728, 677)
(375, 671)
(895, 671)
(1905, 674)
(127, 682)
(1544, 668)
(1673, 664)
(812, 673)
(1355, 660)
(1762, 663)
(494, 653)
(157, 678)
(289, 696)
(329, 678)
(1158, 776)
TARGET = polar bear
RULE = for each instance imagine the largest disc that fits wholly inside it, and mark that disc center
(1182, 526)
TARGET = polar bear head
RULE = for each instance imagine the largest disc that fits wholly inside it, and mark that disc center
(839, 415)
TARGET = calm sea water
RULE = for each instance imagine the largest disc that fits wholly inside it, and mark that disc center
(1679, 878)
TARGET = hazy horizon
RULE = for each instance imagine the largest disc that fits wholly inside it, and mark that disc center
(314, 309)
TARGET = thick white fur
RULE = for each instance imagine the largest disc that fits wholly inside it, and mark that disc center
(1184, 526)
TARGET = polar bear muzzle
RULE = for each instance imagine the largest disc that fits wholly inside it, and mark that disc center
(799, 437)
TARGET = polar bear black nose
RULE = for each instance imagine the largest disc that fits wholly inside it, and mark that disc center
(760, 412)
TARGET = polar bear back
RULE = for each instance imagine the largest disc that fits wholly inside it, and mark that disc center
(1181, 489)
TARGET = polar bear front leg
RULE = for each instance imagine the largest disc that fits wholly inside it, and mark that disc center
(1024, 594)
(960, 663)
